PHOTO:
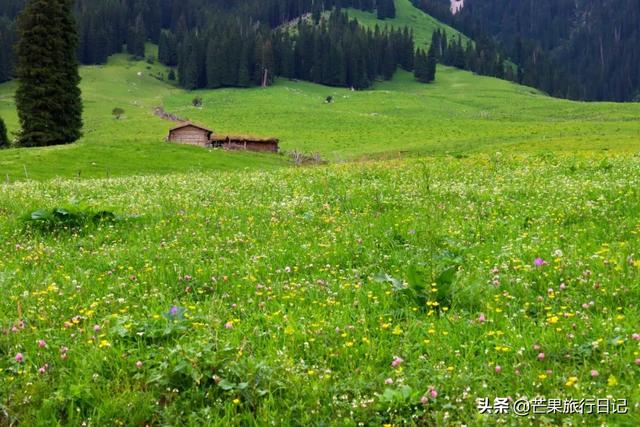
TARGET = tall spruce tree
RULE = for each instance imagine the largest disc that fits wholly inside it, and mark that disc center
(136, 38)
(48, 97)
(420, 67)
(431, 64)
(4, 139)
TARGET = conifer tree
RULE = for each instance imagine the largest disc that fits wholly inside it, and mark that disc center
(136, 38)
(214, 65)
(48, 97)
(4, 139)
(420, 67)
(189, 75)
(168, 49)
(431, 64)
(388, 62)
(244, 78)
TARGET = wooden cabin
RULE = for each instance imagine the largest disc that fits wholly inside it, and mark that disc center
(243, 142)
(194, 134)
(190, 133)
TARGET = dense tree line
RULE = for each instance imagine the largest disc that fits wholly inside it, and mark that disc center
(586, 49)
(333, 51)
(106, 27)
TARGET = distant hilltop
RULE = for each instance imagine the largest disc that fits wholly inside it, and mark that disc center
(456, 6)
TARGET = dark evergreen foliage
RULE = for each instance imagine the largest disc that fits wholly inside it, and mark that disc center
(4, 138)
(168, 49)
(7, 41)
(426, 63)
(386, 9)
(48, 96)
(431, 63)
(587, 49)
(420, 71)
(336, 51)
(136, 38)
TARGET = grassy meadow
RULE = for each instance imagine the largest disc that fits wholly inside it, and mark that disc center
(466, 239)
(380, 293)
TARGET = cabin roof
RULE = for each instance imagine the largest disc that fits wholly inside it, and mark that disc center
(247, 138)
(187, 124)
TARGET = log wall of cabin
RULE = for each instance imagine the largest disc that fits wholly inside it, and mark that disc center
(190, 135)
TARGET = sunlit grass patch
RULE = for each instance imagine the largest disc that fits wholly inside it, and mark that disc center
(377, 293)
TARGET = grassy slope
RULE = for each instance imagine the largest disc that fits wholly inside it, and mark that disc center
(407, 15)
(131, 146)
(460, 113)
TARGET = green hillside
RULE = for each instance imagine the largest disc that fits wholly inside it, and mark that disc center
(461, 113)
(133, 145)
(407, 15)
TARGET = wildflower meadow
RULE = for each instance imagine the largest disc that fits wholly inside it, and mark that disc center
(382, 293)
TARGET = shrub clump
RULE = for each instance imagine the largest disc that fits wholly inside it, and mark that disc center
(60, 219)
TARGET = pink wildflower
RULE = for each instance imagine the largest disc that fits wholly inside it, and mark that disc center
(397, 361)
